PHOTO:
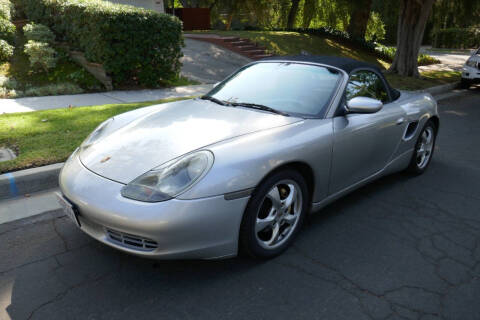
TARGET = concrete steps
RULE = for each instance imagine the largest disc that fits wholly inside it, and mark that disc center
(242, 46)
(246, 47)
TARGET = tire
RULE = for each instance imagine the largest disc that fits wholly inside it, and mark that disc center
(465, 83)
(270, 224)
(424, 148)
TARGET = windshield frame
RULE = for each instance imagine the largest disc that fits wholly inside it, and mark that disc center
(324, 111)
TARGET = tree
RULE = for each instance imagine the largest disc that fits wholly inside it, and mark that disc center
(359, 15)
(412, 20)
(309, 11)
(292, 14)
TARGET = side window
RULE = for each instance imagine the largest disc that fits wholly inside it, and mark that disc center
(366, 84)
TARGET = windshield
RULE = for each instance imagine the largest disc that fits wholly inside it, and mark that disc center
(293, 88)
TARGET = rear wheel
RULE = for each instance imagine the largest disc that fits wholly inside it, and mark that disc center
(423, 149)
(274, 215)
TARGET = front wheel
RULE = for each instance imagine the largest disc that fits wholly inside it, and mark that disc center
(274, 215)
(423, 149)
(465, 83)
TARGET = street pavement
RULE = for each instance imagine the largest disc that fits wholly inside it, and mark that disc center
(400, 248)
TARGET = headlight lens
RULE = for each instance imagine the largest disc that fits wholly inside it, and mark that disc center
(471, 63)
(171, 179)
(96, 134)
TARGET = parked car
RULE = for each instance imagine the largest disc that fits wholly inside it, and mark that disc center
(471, 70)
(238, 169)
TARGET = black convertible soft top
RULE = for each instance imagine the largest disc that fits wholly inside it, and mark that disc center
(345, 64)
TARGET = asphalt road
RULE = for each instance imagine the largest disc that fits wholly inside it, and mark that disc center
(401, 248)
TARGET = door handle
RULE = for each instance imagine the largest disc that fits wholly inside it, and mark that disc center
(400, 121)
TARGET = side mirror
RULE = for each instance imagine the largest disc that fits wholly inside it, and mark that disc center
(363, 105)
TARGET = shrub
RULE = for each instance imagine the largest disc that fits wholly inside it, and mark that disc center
(458, 38)
(8, 83)
(131, 43)
(386, 51)
(425, 59)
(53, 90)
(6, 51)
(10, 93)
(6, 9)
(389, 52)
(40, 55)
(7, 30)
(38, 32)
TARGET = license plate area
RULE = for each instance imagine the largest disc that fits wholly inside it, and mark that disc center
(68, 208)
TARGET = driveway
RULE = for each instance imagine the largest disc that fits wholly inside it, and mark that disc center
(208, 63)
(401, 248)
(451, 60)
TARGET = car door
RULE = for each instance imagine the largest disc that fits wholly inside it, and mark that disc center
(364, 143)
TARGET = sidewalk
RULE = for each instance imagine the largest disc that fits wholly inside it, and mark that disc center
(88, 99)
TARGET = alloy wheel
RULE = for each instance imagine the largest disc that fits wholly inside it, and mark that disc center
(278, 214)
(425, 147)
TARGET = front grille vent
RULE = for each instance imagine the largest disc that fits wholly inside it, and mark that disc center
(131, 241)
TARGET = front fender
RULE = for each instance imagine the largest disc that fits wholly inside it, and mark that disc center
(241, 163)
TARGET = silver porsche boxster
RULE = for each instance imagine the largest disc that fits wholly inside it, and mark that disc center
(238, 169)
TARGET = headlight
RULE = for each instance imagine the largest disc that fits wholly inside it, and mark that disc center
(471, 63)
(96, 134)
(171, 179)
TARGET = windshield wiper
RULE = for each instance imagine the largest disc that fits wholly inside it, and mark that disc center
(259, 107)
(217, 101)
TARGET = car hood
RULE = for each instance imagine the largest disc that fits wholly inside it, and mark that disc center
(168, 131)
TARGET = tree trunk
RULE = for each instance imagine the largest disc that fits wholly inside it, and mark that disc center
(228, 25)
(309, 11)
(292, 14)
(359, 16)
(411, 27)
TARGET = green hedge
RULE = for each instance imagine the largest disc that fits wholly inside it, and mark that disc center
(133, 44)
(457, 38)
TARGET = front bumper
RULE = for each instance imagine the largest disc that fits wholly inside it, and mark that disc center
(470, 73)
(205, 228)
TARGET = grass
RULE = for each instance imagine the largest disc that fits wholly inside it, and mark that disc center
(291, 43)
(427, 79)
(46, 137)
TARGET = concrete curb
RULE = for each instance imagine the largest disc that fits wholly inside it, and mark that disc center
(14, 184)
(440, 89)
